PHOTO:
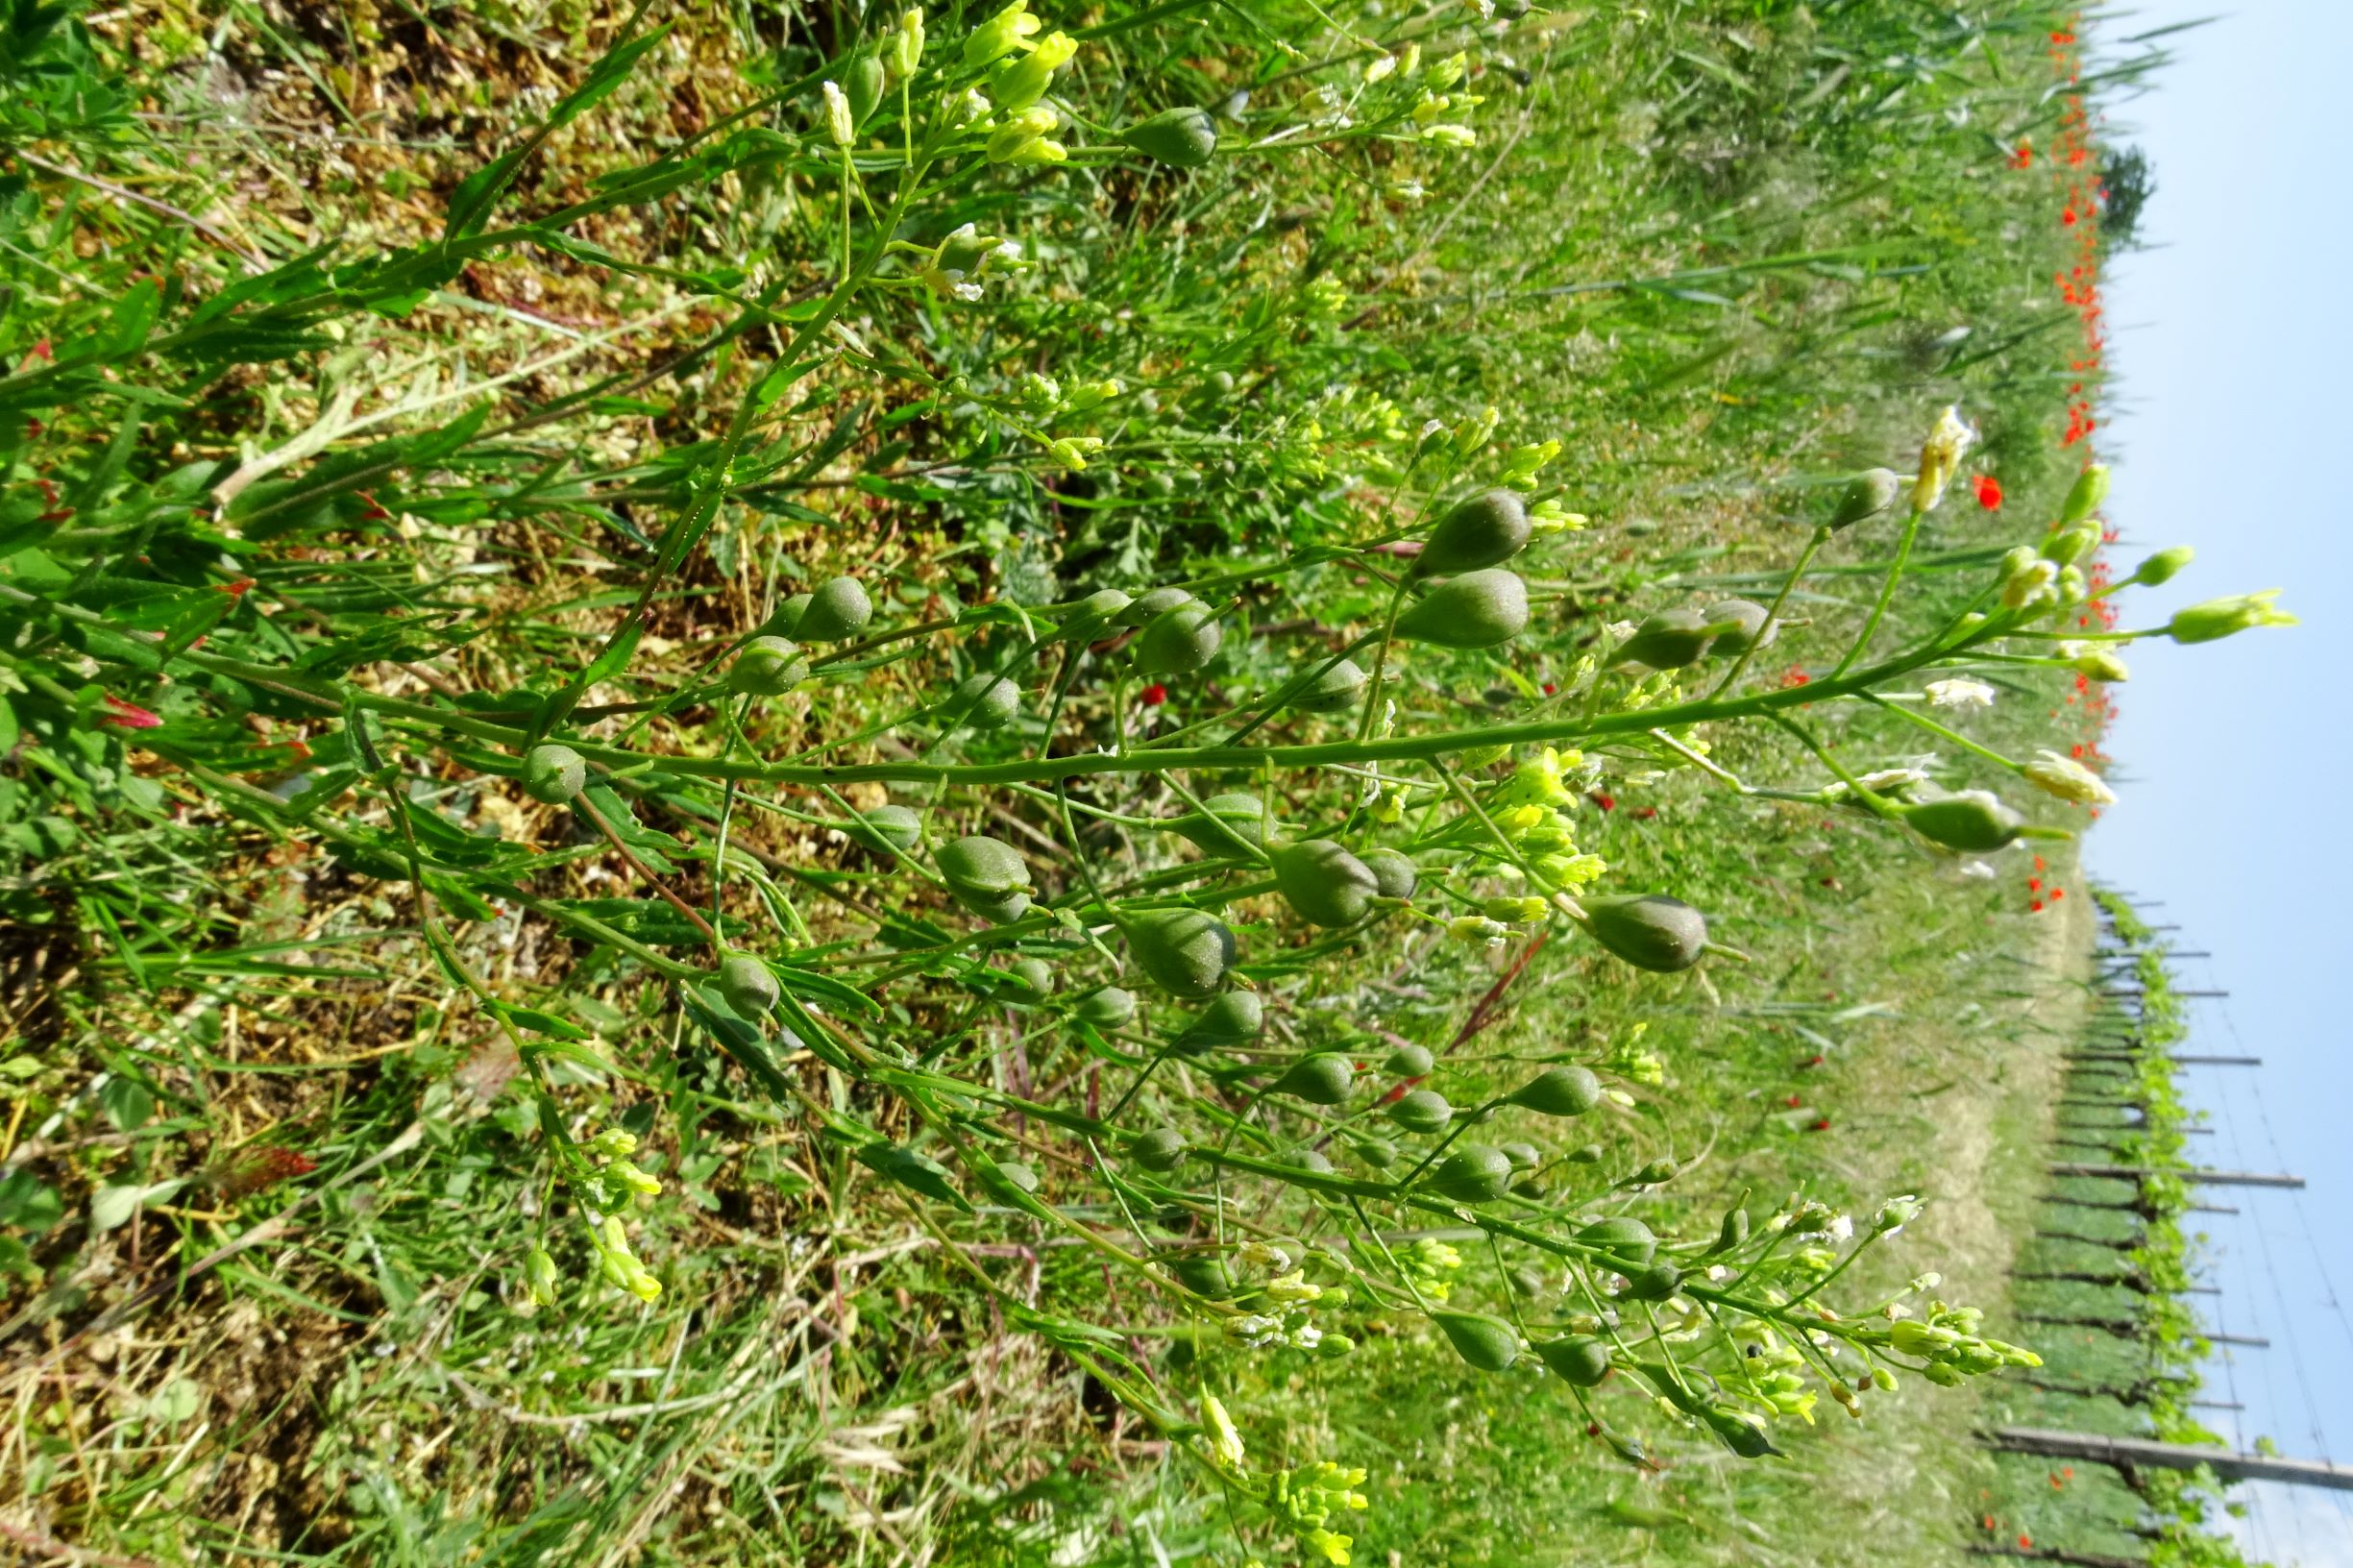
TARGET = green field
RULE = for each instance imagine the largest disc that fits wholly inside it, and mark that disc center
(626, 939)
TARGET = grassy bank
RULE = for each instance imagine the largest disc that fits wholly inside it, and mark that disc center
(506, 1067)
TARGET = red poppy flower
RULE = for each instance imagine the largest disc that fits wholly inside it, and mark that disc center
(1607, 802)
(2023, 157)
(1645, 812)
(1823, 1126)
(1796, 676)
(1155, 695)
(1988, 492)
(1794, 1102)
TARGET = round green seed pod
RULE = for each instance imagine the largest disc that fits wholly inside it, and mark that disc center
(784, 621)
(1032, 981)
(1410, 1061)
(1479, 609)
(1740, 624)
(862, 84)
(1972, 821)
(1649, 930)
(1233, 824)
(1423, 1110)
(1322, 1079)
(1204, 1274)
(1394, 875)
(1323, 882)
(1180, 641)
(838, 610)
(1097, 610)
(748, 985)
(1523, 1156)
(1377, 1152)
(1654, 1281)
(1488, 1343)
(889, 827)
(1335, 689)
(1625, 1240)
(1231, 1018)
(1667, 640)
(767, 666)
(552, 772)
(1149, 606)
(1162, 1150)
(1185, 137)
(1313, 1161)
(1184, 951)
(1472, 1173)
(1578, 1360)
(1485, 531)
(987, 875)
(1589, 1154)
(1527, 1282)
(985, 701)
(1559, 1091)
(1107, 1008)
(1868, 495)
(1018, 1174)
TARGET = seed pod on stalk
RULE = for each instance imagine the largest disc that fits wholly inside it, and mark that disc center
(748, 985)
(1230, 824)
(1972, 821)
(1107, 1008)
(1323, 882)
(986, 876)
(1625, 1240)
(1488, 1343)
(1231, 1018)
(838, 610)
(767, 666)
(1472, 1173)
(1740, 624)
(1184, 951)
(1668, 639)
(552, 772)
(1422, 1111)
(985, 701)
(1650, 930)
(1578, 1360)
(1394, 875)
(1485, 531)
(1183, 138)
(1479, 609)
(1868, 495)
(1559, 1091)
(1410, 1060)
(1322, 1079)
(1180, 641)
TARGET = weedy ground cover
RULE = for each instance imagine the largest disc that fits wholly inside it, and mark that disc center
(1174, 782)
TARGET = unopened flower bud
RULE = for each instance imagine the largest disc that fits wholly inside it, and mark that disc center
(2070, 545)
(1021, 82)
(840, 124)
(2102, 665)
(539, 1277)
(1000, 35)
(904, 50)
(2068, 780)
(2164, 565)
(2220, 618)
(2083, 498)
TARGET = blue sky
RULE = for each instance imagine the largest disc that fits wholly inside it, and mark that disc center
(2227, 428)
